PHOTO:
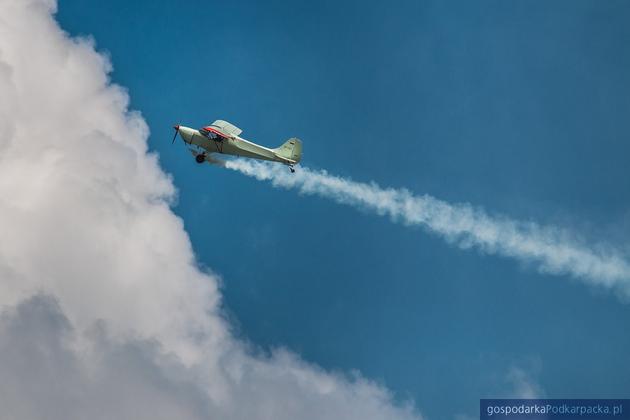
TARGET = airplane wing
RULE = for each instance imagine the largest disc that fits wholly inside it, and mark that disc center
(227, 128)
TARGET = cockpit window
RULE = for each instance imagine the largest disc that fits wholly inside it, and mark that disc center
(212, 135)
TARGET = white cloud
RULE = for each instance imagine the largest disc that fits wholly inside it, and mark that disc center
(523, 384)
(50, 370)
(105, 313)
(552, 249)
(518, 382)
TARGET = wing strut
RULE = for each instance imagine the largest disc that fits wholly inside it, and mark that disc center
(219, 144)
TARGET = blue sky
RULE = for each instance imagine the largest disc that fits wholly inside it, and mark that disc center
(518, 107)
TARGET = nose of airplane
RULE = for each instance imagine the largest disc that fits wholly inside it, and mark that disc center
(185, 132)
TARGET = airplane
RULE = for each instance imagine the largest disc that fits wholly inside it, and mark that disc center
(223, 137)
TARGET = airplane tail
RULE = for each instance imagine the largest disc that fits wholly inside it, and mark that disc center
(291, 149)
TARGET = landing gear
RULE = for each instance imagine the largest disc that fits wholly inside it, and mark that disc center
(291, 169)
(200, 158)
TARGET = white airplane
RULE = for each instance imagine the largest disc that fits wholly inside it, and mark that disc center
(223, 137)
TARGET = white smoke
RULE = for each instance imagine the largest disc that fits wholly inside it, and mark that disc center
(553, 250)
(105, 313)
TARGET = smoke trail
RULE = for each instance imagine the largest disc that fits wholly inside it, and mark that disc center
(553, 250)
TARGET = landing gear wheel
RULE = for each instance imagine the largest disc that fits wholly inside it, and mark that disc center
(200, 158)
(292, 170)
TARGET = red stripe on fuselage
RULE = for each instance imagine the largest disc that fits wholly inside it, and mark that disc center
(214, 130)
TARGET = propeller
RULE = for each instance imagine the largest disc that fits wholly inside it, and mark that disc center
(176, 127)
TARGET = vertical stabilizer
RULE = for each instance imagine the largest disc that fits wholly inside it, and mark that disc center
(291, 149)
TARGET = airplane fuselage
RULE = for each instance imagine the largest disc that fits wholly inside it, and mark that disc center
(232, 145)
